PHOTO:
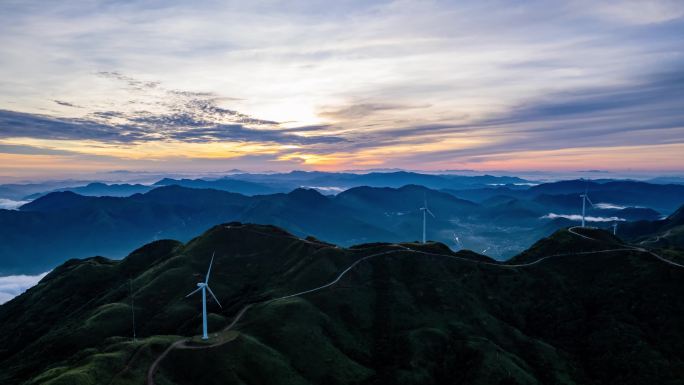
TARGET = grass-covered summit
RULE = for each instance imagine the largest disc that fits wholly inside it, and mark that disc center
(410, 314)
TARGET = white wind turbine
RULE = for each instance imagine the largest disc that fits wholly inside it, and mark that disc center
(458, 241)
(425, 211)
(615, 225)
(585, 199)
(204, 286)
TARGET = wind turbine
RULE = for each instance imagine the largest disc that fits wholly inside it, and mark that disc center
(585, 198)
(615, 228)
(458, 241)
(204, 286)
(425, 210)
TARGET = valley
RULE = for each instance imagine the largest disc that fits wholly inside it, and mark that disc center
(499, 221)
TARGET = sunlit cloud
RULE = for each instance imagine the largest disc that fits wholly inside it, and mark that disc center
(420, 85)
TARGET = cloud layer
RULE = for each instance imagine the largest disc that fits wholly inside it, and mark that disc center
(431, 85)
(9, 204)
(578, 218)
(13, 285)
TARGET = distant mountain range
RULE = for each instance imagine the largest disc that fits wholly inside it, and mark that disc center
(578, 307)
(259, 184)
(99, 189)
(499, 222)
(20, 191)
(659, 196)
(664, 198)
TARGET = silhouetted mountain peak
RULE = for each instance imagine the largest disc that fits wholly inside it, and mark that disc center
(307, 195)
(181, 193)
(564, 240)
(676, 218)
(414, 188)
(172, 188)
(148, 254)
(165, 182)
(55, 201)
(98, 184)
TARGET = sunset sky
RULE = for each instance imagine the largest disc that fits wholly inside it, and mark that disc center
(158, 85)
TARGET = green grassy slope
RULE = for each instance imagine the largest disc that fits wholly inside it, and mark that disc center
(435, 317)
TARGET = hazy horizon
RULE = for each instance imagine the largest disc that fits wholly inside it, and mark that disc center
(148, 177)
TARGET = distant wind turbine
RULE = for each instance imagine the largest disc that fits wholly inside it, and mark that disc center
(585, 199)
(458, 241)
(615, 228)
(425, 211)
(204, 286)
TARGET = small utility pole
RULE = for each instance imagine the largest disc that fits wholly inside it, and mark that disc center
(130, 282)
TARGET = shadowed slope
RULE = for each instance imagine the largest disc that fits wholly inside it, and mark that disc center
(410, 314)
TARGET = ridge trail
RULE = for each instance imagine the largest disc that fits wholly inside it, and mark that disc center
(183, 343)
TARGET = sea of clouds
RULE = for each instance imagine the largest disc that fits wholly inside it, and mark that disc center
(9, 204)
(578, 218)
(609, 206)
(13, 285)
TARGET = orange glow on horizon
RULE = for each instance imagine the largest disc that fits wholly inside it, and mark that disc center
(85, 156)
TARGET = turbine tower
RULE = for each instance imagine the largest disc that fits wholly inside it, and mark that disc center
(585, 198)
(615, 228)
(130, 286)
(204, 286)
(425, 211)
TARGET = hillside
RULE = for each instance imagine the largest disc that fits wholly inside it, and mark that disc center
(403, 314)
(665, 233)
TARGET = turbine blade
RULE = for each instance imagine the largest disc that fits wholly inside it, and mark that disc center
(206, 280)
(215, 299)
(592, 203)
(430, 212)
(193, 292)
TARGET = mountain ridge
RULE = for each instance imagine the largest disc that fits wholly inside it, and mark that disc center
(258, 263)
(71, 225)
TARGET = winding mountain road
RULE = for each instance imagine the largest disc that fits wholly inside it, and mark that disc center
(183, 343)
(657, 238)
(635, 248)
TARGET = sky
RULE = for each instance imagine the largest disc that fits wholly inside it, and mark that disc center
(206, 86)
